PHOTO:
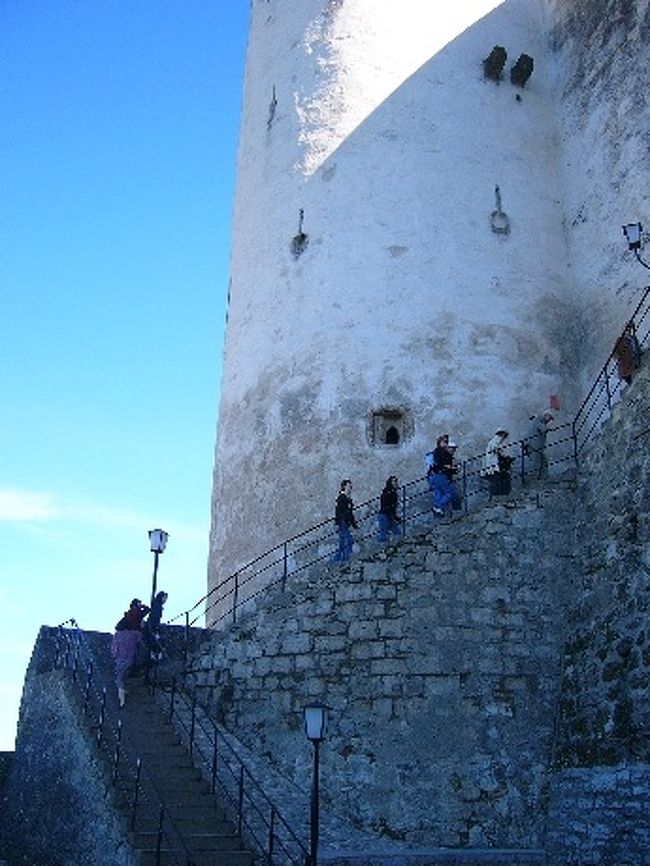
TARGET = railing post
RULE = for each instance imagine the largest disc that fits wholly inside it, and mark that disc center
(403, 510)
(57, 647)
(172, 698)
(186, 647)
(214, 760)
(285, 565)
(192, 724)
(136, 792)
(240, 803)
(234, 598)
(102, 713)
(89, 678)
(465, 504)
(116, 754)
(269, 855)
(161, 818)
(75, 661)
(66, 654)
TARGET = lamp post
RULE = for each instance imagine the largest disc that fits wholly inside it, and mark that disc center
(158, 542)
(315, 724)
(633, 233)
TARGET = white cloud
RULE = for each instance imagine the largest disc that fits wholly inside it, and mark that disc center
(19, 506)
(30, 506)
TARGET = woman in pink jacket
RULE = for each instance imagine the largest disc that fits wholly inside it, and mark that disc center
(126, 644)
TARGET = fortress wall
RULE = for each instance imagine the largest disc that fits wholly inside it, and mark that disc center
(441, 665)
(602, 62)
(56, 802)
(388, 137)
(489, 684)
(601, 780)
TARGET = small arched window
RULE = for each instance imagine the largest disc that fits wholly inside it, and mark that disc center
(392, 436)
(388, 426)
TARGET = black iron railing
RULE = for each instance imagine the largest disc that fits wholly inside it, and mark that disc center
(257, 818)
(128, 773)
(608, 385)
(565, 443)
(255, 815)
(316, 544)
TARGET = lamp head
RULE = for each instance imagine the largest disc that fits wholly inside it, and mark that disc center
(158, 540)
(315, 722)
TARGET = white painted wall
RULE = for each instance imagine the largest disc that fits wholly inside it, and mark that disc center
(388, 137)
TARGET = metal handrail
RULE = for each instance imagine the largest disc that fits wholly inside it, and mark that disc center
(607, 385)
(316, 543)
(248, 803)
(126, 766)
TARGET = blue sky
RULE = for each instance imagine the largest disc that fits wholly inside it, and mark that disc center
(118, 135)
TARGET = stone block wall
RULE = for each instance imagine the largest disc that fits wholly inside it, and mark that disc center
(602, 757)
(440, 661)
(56, 804)
(488, 681)
(603, 111)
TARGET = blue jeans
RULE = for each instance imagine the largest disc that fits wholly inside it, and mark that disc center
(344, 551)
(385, 526)
(444, 491)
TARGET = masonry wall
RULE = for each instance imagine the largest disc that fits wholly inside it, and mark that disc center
(489, 682)
(601, 769)
(377, 124)
(441, 663)
(56, 801)
(601, 61)
(417, 290)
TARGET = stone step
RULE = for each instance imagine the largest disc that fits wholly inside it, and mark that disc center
(170, 857)
(438, 857)
(187, 824)
(195, 841)
(175, 795)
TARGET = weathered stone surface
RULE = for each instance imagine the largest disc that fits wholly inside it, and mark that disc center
(445, 667)
(455, 668)
(57, 804)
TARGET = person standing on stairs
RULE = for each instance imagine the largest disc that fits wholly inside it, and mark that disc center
(151, 629)
(126, 643)
(535, 445)
(345, 522)
(496, 464)
(387, 519)
(440, 477)
(627, 353)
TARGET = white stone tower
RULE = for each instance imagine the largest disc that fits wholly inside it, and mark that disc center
(404, 256)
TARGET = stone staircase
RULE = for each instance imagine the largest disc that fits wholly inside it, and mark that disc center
(190, 806)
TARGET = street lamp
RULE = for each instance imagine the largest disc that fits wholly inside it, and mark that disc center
(158, 542)
(633, 232)
(315, 724)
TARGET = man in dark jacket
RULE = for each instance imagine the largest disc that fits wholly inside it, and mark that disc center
(345, 522)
